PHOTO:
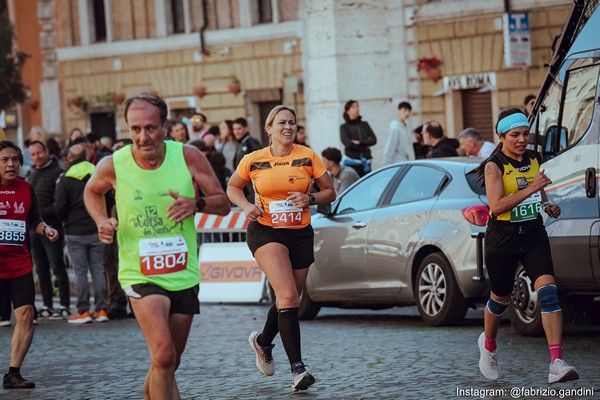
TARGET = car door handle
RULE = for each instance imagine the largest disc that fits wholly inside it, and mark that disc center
(590, 182)
(359, 225)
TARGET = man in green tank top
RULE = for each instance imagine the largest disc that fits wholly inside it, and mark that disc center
(156, 202)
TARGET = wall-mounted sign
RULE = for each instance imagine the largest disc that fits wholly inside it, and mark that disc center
(470, 81)
(517, 40)
(9, 119)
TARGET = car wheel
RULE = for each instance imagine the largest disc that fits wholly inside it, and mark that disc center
(308, 309)
(439, 300)
(525, 315)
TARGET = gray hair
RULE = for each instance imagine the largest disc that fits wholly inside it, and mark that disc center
(470, 133)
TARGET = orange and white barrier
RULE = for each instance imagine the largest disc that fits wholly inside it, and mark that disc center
(234, 221)
(229, 274)
(228, 271)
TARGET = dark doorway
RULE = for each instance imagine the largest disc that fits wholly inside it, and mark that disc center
(477, 112)
(103, 124)
(264, 108)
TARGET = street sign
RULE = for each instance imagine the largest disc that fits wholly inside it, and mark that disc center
(517, 40)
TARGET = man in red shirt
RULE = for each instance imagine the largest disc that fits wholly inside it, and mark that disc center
(18, 211)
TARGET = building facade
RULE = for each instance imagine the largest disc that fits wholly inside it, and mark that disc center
(311, 54)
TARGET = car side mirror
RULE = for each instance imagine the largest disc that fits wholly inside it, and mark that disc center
(324, 209)
(550, 145)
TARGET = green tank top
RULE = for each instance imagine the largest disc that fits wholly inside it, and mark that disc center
(152, 248)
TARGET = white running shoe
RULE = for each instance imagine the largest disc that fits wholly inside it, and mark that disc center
(560, 371)
(301, 378)
(264, 358)
(488, 365)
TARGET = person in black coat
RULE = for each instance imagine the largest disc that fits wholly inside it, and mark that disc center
(48, 256)
(441, 146)
(246, 145)
(357, 136)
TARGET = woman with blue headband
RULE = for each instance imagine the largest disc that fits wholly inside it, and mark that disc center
(516, 234)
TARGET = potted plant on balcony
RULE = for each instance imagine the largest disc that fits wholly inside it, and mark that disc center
(118, 98)
(199, 90)
(234, 85)
(430, 66)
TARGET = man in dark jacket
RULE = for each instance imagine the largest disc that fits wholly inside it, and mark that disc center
(247, 144)
(84, 246)
(48, 255)
(441, 146)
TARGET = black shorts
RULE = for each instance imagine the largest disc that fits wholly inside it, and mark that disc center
(182, 301)
(501, 267)
(21, 290)
(299, 242)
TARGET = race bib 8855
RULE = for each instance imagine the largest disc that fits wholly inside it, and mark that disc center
(12, 233)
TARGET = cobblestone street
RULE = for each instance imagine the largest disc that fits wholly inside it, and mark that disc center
(353, 354)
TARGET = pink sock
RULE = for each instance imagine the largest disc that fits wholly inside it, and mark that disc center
(490, 344)
(555, 351)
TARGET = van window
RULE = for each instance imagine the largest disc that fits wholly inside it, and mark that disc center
(578, 105)
(549, 112)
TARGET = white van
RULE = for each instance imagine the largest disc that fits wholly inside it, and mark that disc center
(570, 99)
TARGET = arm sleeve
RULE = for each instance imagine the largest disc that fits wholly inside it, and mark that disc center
(345, 136)
(61, 205)
(407, 145)
(243, 168)
(33, 217)
(347, 177)
(371, 139)
(318, 167)
(390, 147)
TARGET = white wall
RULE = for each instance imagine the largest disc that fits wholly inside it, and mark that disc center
(354, 50)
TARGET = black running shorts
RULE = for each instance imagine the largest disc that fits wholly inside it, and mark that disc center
(21, 290)
(501, 267)
(182, 301)
(299, 242)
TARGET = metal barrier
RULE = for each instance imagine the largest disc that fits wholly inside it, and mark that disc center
(228, 272)
(217, 229)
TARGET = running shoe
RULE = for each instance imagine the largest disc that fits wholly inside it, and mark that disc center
(81, 318)
(488, 365)
(560, 371)
(14, 380)
(101, 316)
(5, 324)
(264, 356)
(60, 314)
(45, 312)
(301, 378)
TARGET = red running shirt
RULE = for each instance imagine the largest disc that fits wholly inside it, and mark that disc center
(17, 210)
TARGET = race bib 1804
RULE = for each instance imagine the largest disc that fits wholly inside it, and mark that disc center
(163, 256)
(528, 209)
(12, 233)
(284, 214)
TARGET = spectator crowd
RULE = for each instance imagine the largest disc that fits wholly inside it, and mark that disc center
(58, 175)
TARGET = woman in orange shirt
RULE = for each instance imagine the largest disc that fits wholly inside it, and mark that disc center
(280, 235)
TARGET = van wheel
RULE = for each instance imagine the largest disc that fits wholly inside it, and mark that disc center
(439, 299)
(525, 316)
(308, 309)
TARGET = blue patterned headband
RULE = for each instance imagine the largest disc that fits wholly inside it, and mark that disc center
(512, 121)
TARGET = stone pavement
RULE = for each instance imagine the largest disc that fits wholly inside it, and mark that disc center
(354, 354)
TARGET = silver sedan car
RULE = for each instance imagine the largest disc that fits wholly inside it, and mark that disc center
(406, 233)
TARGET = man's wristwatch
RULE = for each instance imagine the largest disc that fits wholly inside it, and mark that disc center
(312, 199)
